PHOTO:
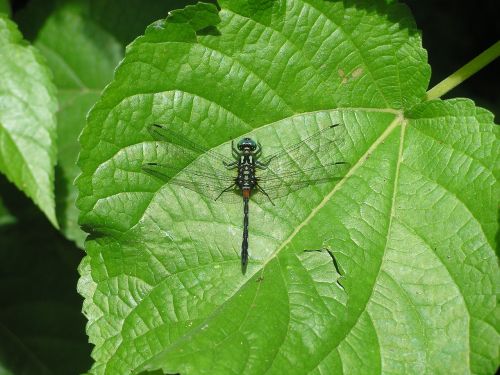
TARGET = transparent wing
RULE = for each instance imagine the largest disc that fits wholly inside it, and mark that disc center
(280, 185)
(308, 162)
(307, 153)
(311, 161)
(193, 166)
(163, 134)
(222, 189)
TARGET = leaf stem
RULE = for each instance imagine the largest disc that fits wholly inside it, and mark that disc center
(464, 72)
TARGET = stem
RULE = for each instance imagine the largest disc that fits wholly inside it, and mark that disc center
(472, 67)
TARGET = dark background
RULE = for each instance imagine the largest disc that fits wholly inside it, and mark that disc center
(455, 32)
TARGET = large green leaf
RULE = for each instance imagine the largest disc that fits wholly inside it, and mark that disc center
(412, 224)
(27, 120)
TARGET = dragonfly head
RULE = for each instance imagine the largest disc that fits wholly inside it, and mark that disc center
(247, 144)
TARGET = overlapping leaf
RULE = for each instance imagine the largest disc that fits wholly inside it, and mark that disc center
(82, 57)
(412, 224)
(27, 119)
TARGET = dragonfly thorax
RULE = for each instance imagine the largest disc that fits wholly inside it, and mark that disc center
(246, 172)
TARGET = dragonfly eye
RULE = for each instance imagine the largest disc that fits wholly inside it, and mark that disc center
(247, 144)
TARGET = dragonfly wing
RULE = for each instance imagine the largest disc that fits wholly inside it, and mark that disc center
(277, 185)
(196, 167)
(307, 152)
(311, 161)
(214, 186)
(164, 134)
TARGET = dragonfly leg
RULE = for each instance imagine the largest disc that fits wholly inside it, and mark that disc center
(264, 192)
(234, 150)
(236, 155)
(261, 165)
(264, 165)
(226, 190)
(258, 151)
(231, 165)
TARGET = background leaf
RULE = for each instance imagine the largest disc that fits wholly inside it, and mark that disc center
(82, 57)
(5, 216)
(5, 7)
(412, 224)
(27, 121)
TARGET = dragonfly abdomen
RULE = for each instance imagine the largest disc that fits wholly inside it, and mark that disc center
(246, 181)
(244, 243)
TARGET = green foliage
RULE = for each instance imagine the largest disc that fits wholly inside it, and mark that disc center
(82, 57)
(405, 277)
(27, 119)
(5, 7)
(412, 224)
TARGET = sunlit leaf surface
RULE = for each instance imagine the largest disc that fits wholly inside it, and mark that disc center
(411, 225)
(27, 119)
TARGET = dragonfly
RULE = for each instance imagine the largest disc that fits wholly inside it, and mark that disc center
(247, 173)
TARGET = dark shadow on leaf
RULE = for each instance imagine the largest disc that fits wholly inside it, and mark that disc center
(209, 30)
(497, 237)
(397, 13)
(334, 262)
